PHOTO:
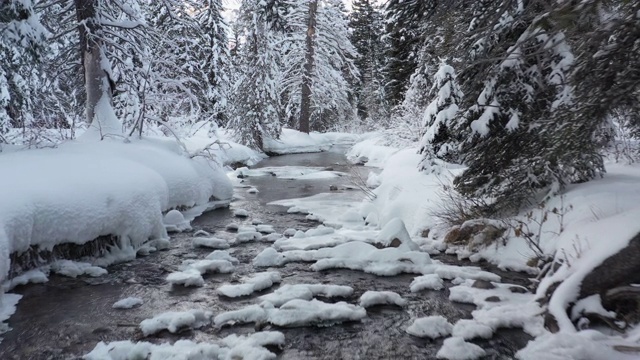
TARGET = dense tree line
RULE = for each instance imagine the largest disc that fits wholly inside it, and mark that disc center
(524, 93)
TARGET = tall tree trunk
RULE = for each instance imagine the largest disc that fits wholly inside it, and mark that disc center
(97, 82)
(305, 100)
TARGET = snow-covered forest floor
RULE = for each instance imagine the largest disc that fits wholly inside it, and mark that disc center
(387, 223)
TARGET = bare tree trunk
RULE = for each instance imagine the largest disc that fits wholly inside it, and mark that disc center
(305, 102)
(97, 82)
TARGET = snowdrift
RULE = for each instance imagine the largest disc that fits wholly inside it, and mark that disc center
(80, 191)
(293, 142)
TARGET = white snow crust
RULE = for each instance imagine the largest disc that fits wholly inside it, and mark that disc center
(257, 282)
(372, 298)
(247, 347)
(455, 348)
(101, 188)
(128, 303)
(431, 326)
(176, 320)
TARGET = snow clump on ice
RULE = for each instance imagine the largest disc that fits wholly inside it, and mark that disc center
(249, 347)
(241, 213)
(429, 281)
(257, 282)
(210, 242)
(371, 298)
(295, 313)
(127, 303)
(455, 348)
(176, 320)
(74, 269)
(431, 326)
(174, 221)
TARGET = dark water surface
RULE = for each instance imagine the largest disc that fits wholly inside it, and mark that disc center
(65, 318)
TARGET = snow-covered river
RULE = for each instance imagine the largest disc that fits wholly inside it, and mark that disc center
(66, 317)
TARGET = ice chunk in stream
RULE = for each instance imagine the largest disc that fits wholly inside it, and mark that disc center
(269, 257)
(232, 227)
(8, 305)
(174, 221)
(429, 281)
(248, 236)
(208, 266)
(127, 303)
(247, 347)
(35, 276)
(296, 312)
(289, 232)
(304, 313)
(396, 230)
(455, 348)
(273, 237)
(248, 314)
(190, 277)
(299, 234)
(252, 190)
(265, 229)
(257, 282)
(74, 269)
(431, 326)
(471, 329)
(246, 228)
(222, 255)
(306, 292)
(371, 298)
(241, 213)
(320, 230)
(210, 242)
(176, 320)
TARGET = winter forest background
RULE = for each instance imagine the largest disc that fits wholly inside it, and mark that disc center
(525, 93)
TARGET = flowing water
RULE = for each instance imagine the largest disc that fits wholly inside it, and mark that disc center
(65, 318)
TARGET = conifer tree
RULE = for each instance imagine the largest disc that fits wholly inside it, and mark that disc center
(443, 134)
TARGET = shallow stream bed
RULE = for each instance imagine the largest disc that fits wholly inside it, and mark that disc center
(65, 318)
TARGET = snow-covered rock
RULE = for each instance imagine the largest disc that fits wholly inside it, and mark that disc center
(455, 348)
(241, 213)
(210, 242)
(106, 187)
(247, 347)
(174, 221)
(74, 269)
(222, 255)
(257, 282)
(429, 281)
(471, 329)
(371, 298)
(395, 234)
(306, 292)
(431, 326)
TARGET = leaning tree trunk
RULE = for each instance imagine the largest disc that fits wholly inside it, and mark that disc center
(96, 79)
(305, 102)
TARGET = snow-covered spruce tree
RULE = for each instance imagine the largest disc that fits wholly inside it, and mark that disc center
(256, 107)
(168, 86)
(405, 30)
(21, 38)
(606, 80)
(443, 134)
(213, 60)
(515, 124)
(366, 23)
(319, 61)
